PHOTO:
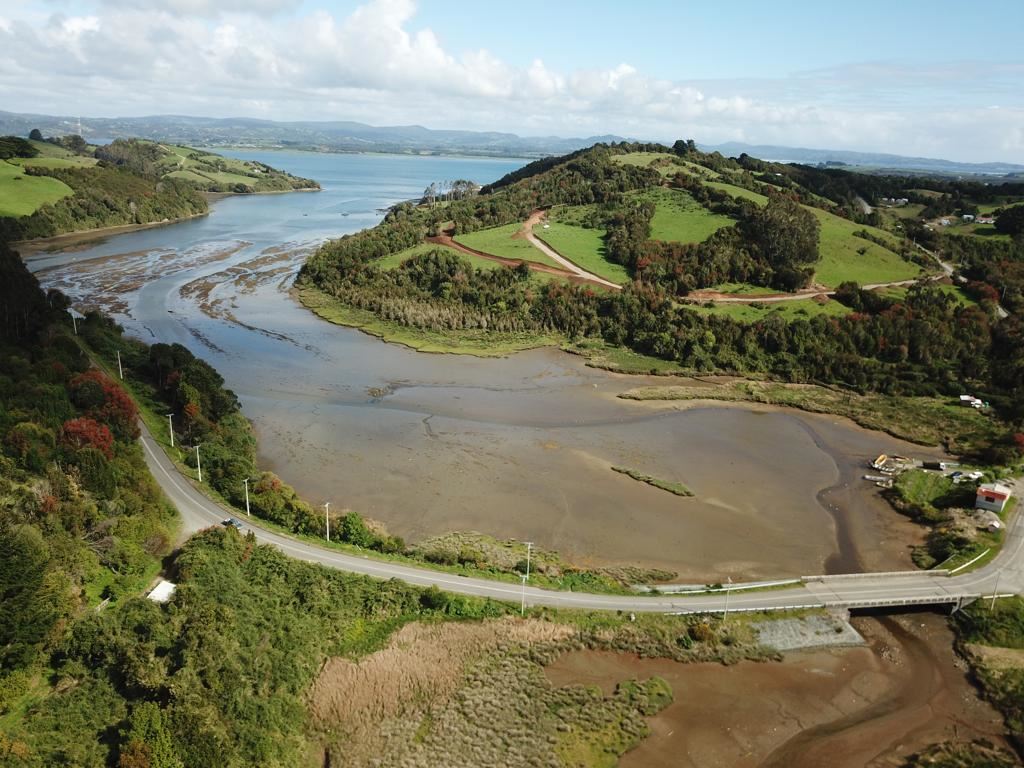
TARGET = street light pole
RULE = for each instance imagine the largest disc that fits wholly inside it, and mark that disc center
(529, 546)
(74, 323)
(199, 466)
(728, 586)
(170, 427)
(120, 371)
(327, 518)
(995, 592)
(522, 605)
(247, 498)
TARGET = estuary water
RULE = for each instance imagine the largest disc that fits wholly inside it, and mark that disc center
(519, 447)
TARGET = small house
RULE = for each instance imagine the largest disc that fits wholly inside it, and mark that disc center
(971, 401)
(986, 219)
(968, 218)
(992, 496)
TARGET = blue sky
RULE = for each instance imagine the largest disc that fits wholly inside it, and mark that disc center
(933, 78)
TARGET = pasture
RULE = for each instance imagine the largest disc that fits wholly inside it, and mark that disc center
(583, 247)
(22, 195)
(500, 241)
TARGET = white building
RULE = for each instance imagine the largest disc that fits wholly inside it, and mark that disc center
(992, 496)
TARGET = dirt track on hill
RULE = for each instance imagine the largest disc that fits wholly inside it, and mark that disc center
(446, 240)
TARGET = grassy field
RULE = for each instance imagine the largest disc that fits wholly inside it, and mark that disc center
(977, 230)
(743, 289)
(667, 162)
(681, 219)
(899, 291)
(55, 162)
(395, 259)
(583, 247)
(499, 241)
(599, 354)
(22, 195)
(788, 310)
(841, 258)
(735, 191)
(921, 420)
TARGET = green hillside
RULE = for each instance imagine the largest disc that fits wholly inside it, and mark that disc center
(206, 170)
(21, 194)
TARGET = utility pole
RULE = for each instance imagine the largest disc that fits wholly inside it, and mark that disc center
(522, 605)
(529, 546)
(247, 514)
(995, 592)
(120, 370)
(170, 427)
(327, 518)
(728, 588)
(199, 467)
(74, 323)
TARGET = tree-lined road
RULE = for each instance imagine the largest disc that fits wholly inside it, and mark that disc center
(1004, 574)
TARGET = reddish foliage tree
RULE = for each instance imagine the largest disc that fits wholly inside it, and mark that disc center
(85, 432)
(114, 406)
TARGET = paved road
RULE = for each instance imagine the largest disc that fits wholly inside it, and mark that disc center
(1005, 574)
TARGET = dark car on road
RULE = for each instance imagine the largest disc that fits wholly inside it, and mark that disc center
(232, 522)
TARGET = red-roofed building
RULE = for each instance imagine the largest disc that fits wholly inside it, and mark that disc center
(992, 496)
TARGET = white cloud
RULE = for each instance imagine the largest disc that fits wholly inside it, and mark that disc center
(206, 7)
(246, 57)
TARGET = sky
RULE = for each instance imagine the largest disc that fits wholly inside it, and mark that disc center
(931, 78)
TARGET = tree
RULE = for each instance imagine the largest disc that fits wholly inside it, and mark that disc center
(1011, 221)
(32, 602)
(85, 432)
(786, 237)
(148, 742)
(35, 135)
(683, 148)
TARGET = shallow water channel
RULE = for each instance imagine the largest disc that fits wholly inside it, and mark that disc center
(517, 447)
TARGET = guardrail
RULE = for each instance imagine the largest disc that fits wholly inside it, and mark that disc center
(876, 575)
(886, 602)
(762, 609)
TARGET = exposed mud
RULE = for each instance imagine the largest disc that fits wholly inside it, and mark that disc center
(842, 708)
(517, 448)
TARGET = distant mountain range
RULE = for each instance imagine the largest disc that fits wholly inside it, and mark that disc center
(348, 136)
(337, 136)
(863, 160)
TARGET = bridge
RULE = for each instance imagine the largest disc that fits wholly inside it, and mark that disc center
(1003, 575)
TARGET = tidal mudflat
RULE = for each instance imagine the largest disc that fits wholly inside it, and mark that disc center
(518, 447)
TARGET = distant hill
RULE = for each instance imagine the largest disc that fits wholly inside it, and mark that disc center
(205, 170)
(864, 160)
(65, 185)
(337, 136)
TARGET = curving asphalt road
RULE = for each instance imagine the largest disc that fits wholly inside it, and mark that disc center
(1004, 574)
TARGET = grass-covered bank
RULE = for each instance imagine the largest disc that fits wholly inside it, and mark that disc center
(991, 637)
(480, 343)
(933, 421)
